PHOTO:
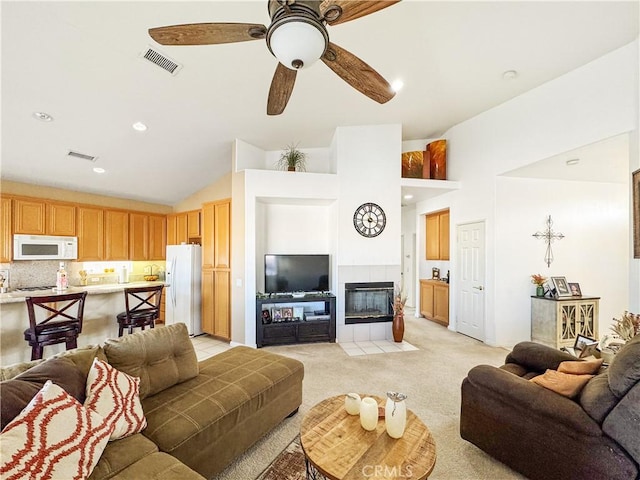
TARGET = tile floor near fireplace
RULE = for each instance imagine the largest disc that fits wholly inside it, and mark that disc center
(375, 346)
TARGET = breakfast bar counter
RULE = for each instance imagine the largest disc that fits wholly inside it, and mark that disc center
(102, 305)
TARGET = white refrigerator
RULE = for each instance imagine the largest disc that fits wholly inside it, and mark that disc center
(183, 294)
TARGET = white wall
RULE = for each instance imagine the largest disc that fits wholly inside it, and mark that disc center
(596, 101)
(369, 171)
(593, 219)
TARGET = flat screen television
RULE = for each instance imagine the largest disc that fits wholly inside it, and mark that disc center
(296, 273)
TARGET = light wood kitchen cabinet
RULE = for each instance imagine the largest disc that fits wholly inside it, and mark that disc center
(434, 300)
(138, 236)
(437, 235)
(29, 216)
(6, 237)
(216, 270)
(193, 224)
(41, 217)
(183, 227)
(157, 237)
(116, 234)
(147, 236)
(90, 233)
(61, 219)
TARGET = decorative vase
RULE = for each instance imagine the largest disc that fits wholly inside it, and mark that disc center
(352, 403)
(539, 291)
(395, 414)
(397, 327)
(369, 413)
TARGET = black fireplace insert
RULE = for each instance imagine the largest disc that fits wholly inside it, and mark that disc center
(368, 302)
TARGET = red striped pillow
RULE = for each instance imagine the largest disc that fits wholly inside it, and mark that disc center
(115, 396)
(54, 437)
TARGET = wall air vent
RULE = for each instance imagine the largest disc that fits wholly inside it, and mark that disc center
(161, 60)
(82, 156)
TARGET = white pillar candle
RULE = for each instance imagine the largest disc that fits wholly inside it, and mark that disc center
(395, 414)
(352, 403)
(369, 413)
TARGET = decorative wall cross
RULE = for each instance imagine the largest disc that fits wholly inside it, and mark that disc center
(549, 236)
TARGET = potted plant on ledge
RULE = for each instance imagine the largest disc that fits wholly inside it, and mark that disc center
(292, 159)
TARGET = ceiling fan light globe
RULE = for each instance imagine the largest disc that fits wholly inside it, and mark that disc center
(297, 43)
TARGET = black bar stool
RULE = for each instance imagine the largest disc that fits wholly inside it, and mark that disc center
(142, 308)
(61, 326)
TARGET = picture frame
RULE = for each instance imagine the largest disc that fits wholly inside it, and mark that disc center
(561, 286)
(582, 342)
(276, 315)
(635, 180)
(589, 350)
(575, 289)
(287, 313)
(266, 317)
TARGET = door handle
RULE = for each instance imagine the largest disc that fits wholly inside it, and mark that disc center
(479, 288)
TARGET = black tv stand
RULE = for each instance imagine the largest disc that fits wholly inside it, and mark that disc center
(318, 323)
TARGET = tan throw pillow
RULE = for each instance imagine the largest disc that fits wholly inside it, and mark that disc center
(54, 437)
(115, 396)
(563, 383)
(586, 367)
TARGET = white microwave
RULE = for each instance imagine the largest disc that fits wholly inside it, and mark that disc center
(44, 247)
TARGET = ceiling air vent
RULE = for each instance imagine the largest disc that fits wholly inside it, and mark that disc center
(82, 156)
(162, 61)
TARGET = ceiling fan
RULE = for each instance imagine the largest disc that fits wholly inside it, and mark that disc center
(297, 37)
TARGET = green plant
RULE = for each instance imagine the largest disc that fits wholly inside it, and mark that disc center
(292, 159)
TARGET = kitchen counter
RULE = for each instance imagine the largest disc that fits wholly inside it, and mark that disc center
(103, 303)
(18, 296)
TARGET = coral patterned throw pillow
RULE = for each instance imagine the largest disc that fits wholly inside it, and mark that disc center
(54, 437)
(115, 396)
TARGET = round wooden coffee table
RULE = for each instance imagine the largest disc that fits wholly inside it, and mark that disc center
(338, 448)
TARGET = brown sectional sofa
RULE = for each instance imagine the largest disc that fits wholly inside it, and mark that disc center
(200, 415)
(546, 436)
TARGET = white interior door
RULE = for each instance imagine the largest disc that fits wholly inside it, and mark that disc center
(470, 281)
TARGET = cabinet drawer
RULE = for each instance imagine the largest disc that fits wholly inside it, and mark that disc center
(313, 330)
(279, 333)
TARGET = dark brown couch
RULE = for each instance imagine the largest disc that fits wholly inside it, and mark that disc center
(544, 435)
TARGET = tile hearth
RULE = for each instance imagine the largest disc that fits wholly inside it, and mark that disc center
(375, 346)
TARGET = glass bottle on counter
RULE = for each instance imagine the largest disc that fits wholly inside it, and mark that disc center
(61, 278)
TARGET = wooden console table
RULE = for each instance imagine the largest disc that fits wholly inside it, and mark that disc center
(557, 321)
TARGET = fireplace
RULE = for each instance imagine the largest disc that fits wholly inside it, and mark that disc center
(368, 302)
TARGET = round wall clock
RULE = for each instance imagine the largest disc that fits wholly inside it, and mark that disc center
(369, 220)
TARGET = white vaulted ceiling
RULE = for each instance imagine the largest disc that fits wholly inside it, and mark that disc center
(80, 62)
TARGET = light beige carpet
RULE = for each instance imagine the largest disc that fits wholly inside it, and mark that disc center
(430, 376)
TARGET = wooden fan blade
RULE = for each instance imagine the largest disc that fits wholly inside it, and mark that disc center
(357, 74)
(352, 9)
(207, 33)
(281, 87)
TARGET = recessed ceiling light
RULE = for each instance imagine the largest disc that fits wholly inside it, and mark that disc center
(99, 170)
(573, 161)
(45, 117)
(408, 197)
(139, 126)
(397, 85)
(510, 75)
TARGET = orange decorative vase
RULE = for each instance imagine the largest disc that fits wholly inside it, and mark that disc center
(397, 327)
